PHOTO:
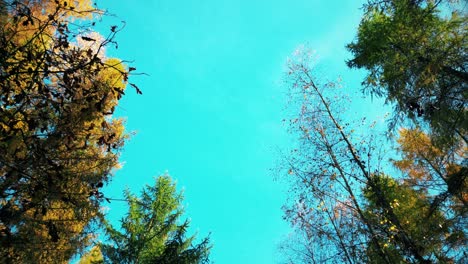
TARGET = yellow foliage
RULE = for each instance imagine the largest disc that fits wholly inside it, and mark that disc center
(419, 155)
(57, 133)
(417, 142)
(94, 256)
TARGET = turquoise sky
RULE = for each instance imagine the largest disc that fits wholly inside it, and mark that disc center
(212, 106)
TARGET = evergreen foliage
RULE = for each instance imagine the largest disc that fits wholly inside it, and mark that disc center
(152, 232)
(416, 57)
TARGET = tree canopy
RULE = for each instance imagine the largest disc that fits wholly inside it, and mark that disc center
(59, 141)
(415, 52)
(344, 207)
(60, 144)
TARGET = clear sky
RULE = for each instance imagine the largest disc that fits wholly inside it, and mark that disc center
(212, 106)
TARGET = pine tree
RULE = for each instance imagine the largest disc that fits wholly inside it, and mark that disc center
(152, 231)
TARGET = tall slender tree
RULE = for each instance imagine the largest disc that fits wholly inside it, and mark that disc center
(328, 169)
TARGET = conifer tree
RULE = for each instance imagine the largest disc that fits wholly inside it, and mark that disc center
(152, 231)
(416, 57)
